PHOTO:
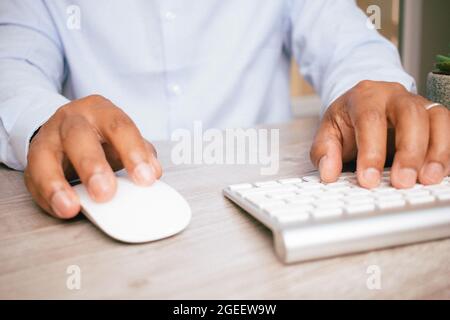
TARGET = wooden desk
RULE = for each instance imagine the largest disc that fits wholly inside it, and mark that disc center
(223, 254)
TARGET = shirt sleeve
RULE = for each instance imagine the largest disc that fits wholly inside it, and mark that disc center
(336, 49)
(31, 76)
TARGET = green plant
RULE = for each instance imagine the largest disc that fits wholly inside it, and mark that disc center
(443, 64)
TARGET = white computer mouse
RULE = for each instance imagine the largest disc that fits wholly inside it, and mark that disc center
(137, 214)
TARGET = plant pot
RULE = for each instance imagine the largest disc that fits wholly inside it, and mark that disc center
(438, 88)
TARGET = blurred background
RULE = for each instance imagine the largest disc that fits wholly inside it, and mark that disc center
(419, 28)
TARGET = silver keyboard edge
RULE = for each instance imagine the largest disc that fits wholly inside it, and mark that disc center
(298, 244)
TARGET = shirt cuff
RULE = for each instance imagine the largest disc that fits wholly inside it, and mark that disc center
(29, 121)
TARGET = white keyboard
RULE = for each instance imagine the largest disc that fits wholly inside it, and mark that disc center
(312, 220)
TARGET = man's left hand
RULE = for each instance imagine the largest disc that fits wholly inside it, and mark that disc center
(356, 126)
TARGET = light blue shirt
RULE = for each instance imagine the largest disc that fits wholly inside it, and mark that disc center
(168, 63)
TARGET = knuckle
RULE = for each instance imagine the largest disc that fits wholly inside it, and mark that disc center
(414, 110)
(90, 164)
(119, 121)
(365, 85)
(75, 123)
(415, 105)
(369, 116)
(396, 86)
(63, 111)
(411, 151)
(372, 157)
(96, 99)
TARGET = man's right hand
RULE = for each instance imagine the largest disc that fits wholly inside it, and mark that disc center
(86, 138)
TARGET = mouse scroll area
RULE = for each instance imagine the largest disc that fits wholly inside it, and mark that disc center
(138, 214)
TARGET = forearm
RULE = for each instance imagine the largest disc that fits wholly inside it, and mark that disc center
(336, 50)
(27, 100)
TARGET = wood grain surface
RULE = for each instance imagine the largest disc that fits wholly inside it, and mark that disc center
(223, 254)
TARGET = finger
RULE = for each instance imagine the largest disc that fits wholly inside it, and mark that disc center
(45, 180)
(437, 161)
(120, 132)
(154, 160)
(370, 125)
(411, 124)
(326, 151)
(83, 149)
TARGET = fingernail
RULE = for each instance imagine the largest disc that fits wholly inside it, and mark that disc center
(100, 186)
(61, 203)
(434, 172)
(371, 177)
(144, 174)
(407, 177)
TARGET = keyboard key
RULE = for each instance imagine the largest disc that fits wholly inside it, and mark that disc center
(394, 203)
(336, 184)
(282, 195)
(312, 178)
(242, 186)
(388, 197)
(356, 200)
(421, 200)
(266, 183)
(342, 188)
(311, 185)
(360, 208)
(271, 204)
(357, 192)
(309, 192)
(290, 181)
(324, 196)
(438, 189)
(387, 190)
(415, 192)
(443, 196)
(329, 204)
(266, 190)
(300, 199)
(327, 213)
(256, 198)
